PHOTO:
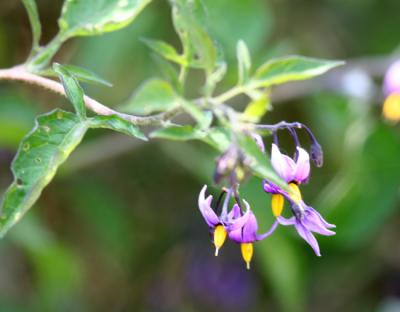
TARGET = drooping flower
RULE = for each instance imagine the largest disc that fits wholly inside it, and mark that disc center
(307, 220)
(220, 225)
(247, 234)
(293, 172)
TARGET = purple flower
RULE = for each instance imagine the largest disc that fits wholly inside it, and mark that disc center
(306, 221)
(288, 169)
(221, 225)
(391, 83)
(247, 234)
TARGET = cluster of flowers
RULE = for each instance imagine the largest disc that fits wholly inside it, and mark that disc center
(391, 89)
(239, 224)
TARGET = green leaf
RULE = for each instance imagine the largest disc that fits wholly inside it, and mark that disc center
(155, 95)
(116, 123)
(291, 68)
(40, 153)
(165, 50)
(259, 162)
(72, 89)
(188, 18)
(203, 118)
(257, 108)
(244, 61)
(219, 138)
(168, 70)
(31, 9)
(93, 17)
(85, 75)
(178, 133)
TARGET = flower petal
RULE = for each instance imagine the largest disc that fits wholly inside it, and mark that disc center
(308, 237)
(249, 233)
(302, 168)
(284, 221)
(272, 188)
(322, 220)
(269, 232)
(205, 208)
(312, 222)
(282, 164)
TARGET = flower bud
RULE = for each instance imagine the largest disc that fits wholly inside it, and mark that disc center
(317, 155)
(391, 82)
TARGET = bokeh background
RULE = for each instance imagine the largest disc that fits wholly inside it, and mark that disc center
(119, 229)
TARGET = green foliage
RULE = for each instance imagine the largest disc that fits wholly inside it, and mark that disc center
(31, 9)
(203, 118)
(291, 68)
(257, 108)
(93, 17)
(198, 47)
(155, 95)
(118, 124)
(260, 164)
(72, 89)
(244, 61)
(166, 50)
(82, 74)
(40, 153)
(178, 133)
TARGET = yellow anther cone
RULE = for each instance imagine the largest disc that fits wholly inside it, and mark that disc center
(277, 203)
(295, 193)
(391, 107)
(247, 253)
(219, 237)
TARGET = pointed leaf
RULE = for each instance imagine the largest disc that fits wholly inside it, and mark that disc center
(41, 152)
(155, 95)
(31, 9)
(165, 50)
(86, 75)
(93, 17)
(244, 61)
(178, 133)
(291, 68)
(189, 22)
(72, 89)
(116, 123)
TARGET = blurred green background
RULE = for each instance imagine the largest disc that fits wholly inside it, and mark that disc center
(119, 229)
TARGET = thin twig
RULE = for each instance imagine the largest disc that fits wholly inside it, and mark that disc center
(20, 74)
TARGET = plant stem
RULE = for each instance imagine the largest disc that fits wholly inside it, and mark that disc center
(19, 73)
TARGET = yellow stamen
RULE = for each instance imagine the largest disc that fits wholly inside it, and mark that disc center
(277, 203)
(247, 253)
(219, 237)
(295, 193)
(240, 173)
(391, 107)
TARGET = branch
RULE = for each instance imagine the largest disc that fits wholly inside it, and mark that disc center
(20, 74)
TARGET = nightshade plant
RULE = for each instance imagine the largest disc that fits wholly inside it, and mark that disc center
(151, 113)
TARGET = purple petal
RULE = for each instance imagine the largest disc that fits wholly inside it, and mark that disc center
(308, 237)
(272, 188)
(284, 221)
(236, 235)
(312, 223)
(205, 208)
(322, 220)
(269, 232)
(302, 169)
(249, 232)
(235, 212)
(282, 164)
